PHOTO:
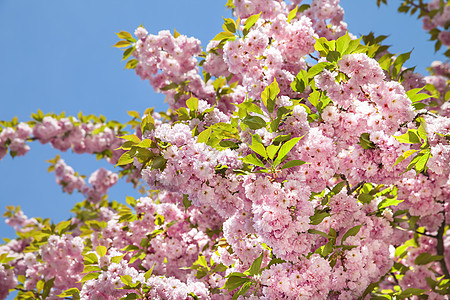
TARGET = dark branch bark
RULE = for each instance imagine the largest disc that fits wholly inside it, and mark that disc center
(440, 248)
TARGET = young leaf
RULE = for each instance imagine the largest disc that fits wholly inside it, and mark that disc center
(351, 232)
(251, 21)
(254, 122)
(229, 25)
(426, 258)
(269, 95)
(272, 151)
(314, 98)
(256, 266)
(203, 137)
(293, 163)
(258, 147)
(192, 103)
(253, 160)
(292, 14)
(101, 250)
(410, 137)
(404, 156)
(284, 150)
(233, 282)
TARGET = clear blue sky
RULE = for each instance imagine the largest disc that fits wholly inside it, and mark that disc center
(56, 55)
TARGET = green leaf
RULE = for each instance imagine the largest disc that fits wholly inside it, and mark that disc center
(170, 86)
(342, 43)
(333, 56)
(321, 233)
(404, 156)
(91, 268)
(269, 95)
(328, 248)
(159, 162)
(131, 64)
(128, 52)
(258, 147)
(316, 69)
(47, 287)
(293, 163)
(422, 132)
(422, 161)
(121, 44)
(130, 248)
(243, 290)
(281, 138)
(131, 296)
(90, 276)
(351, 232)
(229, 25)
(186, 202)
(125, 159)
(251, 21)
(419, 97)
(101, 250)
(61, 227)
(223, 36)
(149, 273)
(126, 36)
(203, 137)
(426, 258)
(69, 292)
(254, 122)
(126, 279)
(284, 150)
(90, 258)
(398, 63)
(365, 142)
(389, 202)
(272, 151)
(292, 14)
(317, 218)
(299, 84)
(147, 123)
(314, 98)
(409, 137)
(255, 268)
(192, 103)
(253, 160)
(131, 138)
(412, 291)
(233, 282)
(117, 259)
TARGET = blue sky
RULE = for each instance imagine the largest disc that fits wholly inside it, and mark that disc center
(56, 55)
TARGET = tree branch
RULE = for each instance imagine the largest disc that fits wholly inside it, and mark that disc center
(440, 248)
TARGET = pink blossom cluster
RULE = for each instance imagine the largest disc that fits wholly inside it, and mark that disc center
(172, 288)
(190, 170)
(62, 134)
(100, 181)
(108, 283)
(8, 280)
(164, 60)
(279, 59)
(327, 17)
(440, 19)
(227, 196)
(15, 140)
(439, 79)
(60, 258)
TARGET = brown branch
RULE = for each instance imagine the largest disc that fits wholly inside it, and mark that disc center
(440, 248)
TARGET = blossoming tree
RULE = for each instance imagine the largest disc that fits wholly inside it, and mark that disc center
(296, 161)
